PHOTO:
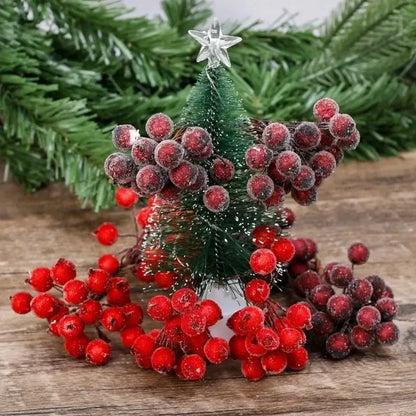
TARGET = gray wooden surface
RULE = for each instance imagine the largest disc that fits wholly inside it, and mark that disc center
(371, 202)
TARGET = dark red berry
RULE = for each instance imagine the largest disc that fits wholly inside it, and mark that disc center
(159, 127)
(325, 109)
(387, 333)
(338, 346)
(201, 181)
(106, 233)
(62, 271)
(113, 319)
(276, 136)
(304, 180)
(118, 291)
(44, 305)
(98, 352)
(368, 317)
(322, 324)
(222, 170)
(124, 136)
(341, 275)
(307, 135)
(159, 308)
(349, 142)
(358, 253)
(263, 261)
(184, 175)
(169, 154)
(260, 187)
(362, 339)
(305, 282)
(288, 163)
(257, 291)
(169, 194)
(216, 198)
(98, 280)
(323, 164)
(336, 152)
(277, 198)
(40, 279)
(387, 308)
(258, 157)
(126, 197)
(327, 140)
(109, 263)
(20, 302)
(378, 286)
(70, 326)
(288, 216)
(296, 268)
(75, 291)
(143, 151)
(360, 291)
(151, 179)
(341, 125)
(339, 307)
(195, 140)
(216, 350)
(120, 168)
(320, 295)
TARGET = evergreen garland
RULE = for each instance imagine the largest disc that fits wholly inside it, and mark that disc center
(69, 70)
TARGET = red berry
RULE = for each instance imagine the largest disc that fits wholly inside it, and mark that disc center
(327, 271)
(44, 305)
(387, 333)
(283, 249)
(350, 142)
(360, 291)
(252, 368)
(258, 157)
(216, 350)
(70, 326)
(184, 300)
(126, 198)
(169, 154)
(129, 335)
(75, 291)
(143, 362)
(298, 359)
(159, 126)
(276, 199)
(159, 308)
(248, 320)
(257, 291)
(323, 164)
(288, 216)
(98, 281)
(274, 362)
(307, 135)
(109, 263)
(341, 275)
(311, 248)
(288, 163)
(222, 170)
(113, 319)
(368, 317)
(211, 311)
(296, 268)
(304, 179)
(263, 261)
(260, 187)
(322, 324)
(339, 307)
(54, 320)
(320, 295)
(325, 108)
(358, 253)
(361, 339)
(173, 330)
(120, 168)
(20, 302)
(201, 181)
(341, 126)
(40, 279)
(118, 291)
(327, 139)
(276, 136)
(98, 352)
(338, 346)
(290, 339)
(268, 339)
(192, 367)
(184, 175)
(264, 235)
(253, 347)
(106, 234)
(90, 311)
(301, 249)
(76, 347)
(378, 286)
(143, 346)
(238, 350)
(62, 271)
(299, 316)
(170, 193)
(143, 216)
(133, 313)
(143, 150)
(336, 152)
(216, 198)
(387, 308)
(304, 198)
(165, 280)
(193, 323)
(196, 140)
(151, 179)
(163, 360)
(387, 293)
(305, 282)
(124, 136)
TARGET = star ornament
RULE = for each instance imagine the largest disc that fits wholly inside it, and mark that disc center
(214, 45)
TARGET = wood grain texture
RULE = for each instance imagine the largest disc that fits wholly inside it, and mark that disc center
(371, 202)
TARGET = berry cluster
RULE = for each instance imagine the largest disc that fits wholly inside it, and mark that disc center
(296, 158)
(348, 312)
(266, 341)
(168, 164)
(101, 302)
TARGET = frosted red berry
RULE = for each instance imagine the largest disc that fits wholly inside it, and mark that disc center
(124, 136)
(249, 320)
(323, 164)
(151, 179)
(322, 324)
(108, 263)
(290, 339)
(143, 150)
(62, 271)
(106, 233)
(70, 326)
(387, 292)
(133, 313)
(298, 359)
(129, 335)
(274, 362)
(201, 181)
(192, 367)
(387, 333)
(76, 347)
(349, 142)
(361, 339)
(387, 308)
(126, 197)
(120, 168)
(288, 163)
(75, 291)
(368, 317)
(159, 308)
(320, 295)
(20, 302)
(327, 139)
(358, 253)
(336, 152)
(222, 170)
(305, 282)
(40, 279)
(165, 280)
(44, 305)
(252, 369)
(258, 157)
(98, 280)
(257, 291)
(90, 311)
(276, 199)
(339, 307)
(118, 291)
(360, 291)
(193, 323)
(283, 249)
(254, 348)
(211, 311)
(163, 360)
(341, 275)
(184, 175)
(260, 187)
(169, 154)
(307, 135)
(268, 339)
(338, 346)
(216, 350)
(195, 140)
(98, 352)
(159, 127)
(170, 193)
(263, 261)
(299, 315)
(184, 300)
(325, 108)
(113, 319)
(216, 198)
(304, 179)
(341, 126)
(378, 286)
(276, 136)
(304, 198)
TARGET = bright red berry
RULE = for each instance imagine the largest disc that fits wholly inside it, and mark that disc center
(75, 291)
(248, 320)
(159, 308)
(216, 350)
(299, 316)
(254, 348)
(263, 261)
(165, 280)
(268, 339)
(163, 360)
(90, 311)
(298, 359)
(70, 326)
(76, 347)
(274, 362)
(98, 281)
(143, 216)
(193, 323)
(44, 305)
(143, 346)
(238, 350)
(20, 302)
(257, 291)
(106, 234)
(129, 335)
(54, 321)
(325, 108)
(40, 279)
(126, 197)
(339, 307)
(193, 367)
(173, 329)
(62, 271)
(113, 319)
(98, 352)
(142, 272)
(108, 263)
(252, 369)
(290, 339)
(133, 313)
(264, 235)
(338, 346)
(211, 311)
(368, 317)
(387, 333)
(283, 249)
(118, 291)
(184, 300)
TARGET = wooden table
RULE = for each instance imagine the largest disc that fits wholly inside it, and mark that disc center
(371, 202)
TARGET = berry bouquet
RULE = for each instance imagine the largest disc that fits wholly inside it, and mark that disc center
(214, 241)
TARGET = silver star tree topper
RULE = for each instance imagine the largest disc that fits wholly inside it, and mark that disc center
(214, 45)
